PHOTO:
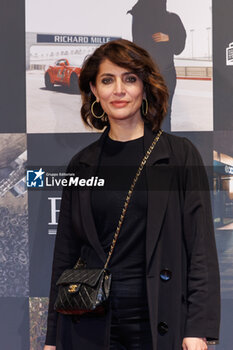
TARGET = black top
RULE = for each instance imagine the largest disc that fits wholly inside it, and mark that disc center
(118, 164)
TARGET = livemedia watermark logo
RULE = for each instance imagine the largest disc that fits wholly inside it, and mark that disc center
(35, 178)
(57, 180)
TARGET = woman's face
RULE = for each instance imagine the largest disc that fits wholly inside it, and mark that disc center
(119, 91)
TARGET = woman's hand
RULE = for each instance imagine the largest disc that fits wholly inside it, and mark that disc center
(194, 344)
(49, 347)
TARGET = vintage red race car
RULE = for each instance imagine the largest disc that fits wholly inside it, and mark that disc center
(62, 73)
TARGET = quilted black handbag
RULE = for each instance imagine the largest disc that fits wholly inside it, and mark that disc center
(82, 290)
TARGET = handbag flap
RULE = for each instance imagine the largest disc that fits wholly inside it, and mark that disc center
(89, 277)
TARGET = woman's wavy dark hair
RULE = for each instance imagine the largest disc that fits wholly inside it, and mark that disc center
(125, 54)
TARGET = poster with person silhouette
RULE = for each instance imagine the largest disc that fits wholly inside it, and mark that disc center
(163, 35)
(177, 34)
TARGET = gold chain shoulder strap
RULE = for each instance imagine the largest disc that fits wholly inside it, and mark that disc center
(128, 197)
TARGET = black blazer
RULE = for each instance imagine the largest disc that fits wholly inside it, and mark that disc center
(180, 244)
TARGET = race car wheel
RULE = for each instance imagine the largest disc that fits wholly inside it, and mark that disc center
(47, 81)
(74, 83)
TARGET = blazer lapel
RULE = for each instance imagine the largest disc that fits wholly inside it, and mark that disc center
(158, 174)
(90, 161)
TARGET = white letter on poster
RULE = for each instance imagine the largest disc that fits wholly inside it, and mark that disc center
(54, 210)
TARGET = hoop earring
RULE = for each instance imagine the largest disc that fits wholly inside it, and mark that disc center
(92, 111)
(144, 110)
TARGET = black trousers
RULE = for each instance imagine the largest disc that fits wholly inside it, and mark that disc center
(130, 325)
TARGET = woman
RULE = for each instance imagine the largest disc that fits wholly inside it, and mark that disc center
(165, 279)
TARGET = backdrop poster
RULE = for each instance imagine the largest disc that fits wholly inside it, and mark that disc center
(52, 156)
(223, 64)
(14, 254)
(14, 257)
(223, 207)
(12, 61)
(183, 55)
